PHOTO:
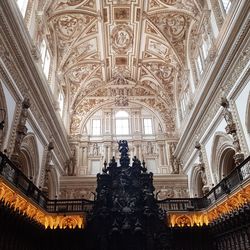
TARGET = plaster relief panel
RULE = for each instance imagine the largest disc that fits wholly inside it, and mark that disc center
(122, 39)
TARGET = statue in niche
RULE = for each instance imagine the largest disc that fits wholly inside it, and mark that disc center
(95, 149)
(172, 148)
(203, 175)
(150, 148)
(175, 166)
(71, 164)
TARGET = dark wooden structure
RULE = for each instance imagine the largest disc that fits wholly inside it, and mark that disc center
(125, 214)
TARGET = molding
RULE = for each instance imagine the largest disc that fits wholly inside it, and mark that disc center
(208, 105)
(29, 79)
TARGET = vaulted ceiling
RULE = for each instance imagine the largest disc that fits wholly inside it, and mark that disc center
(121, 52)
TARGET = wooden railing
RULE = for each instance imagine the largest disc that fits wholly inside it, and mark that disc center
(14, 176)
(239, 175)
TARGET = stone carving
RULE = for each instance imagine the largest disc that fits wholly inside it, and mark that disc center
(231, 129)
(122, 38)
(150, 148)
(121, 13)
(158, 48)
(95, 149)
(70, 164)
(121, 101)
(242, 60)
(201, 167)
(173, 26)
(48, 166)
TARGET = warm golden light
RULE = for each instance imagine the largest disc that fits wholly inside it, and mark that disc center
(52, 221)
(180, 219)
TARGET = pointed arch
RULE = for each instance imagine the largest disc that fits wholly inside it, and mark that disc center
(222, 161)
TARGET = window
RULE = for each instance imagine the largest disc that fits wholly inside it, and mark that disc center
(96, 127)
(45, 56)
(148, 130)
(22, 5)
(226, 5)
(61, 102)
(205, 49)
(199, 64)
(121, 123)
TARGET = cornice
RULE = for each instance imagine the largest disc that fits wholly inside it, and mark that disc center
(229, 64)
(32, 83)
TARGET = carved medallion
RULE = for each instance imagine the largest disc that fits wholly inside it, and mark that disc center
(122, 38)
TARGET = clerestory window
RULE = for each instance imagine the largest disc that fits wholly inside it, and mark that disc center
(45, 57)
(96, 127)
(122, 123)
(22, 5)
(148, 129)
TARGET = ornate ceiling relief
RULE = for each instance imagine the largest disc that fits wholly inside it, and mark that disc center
(121, 52)
(122, 39)
(173, 26)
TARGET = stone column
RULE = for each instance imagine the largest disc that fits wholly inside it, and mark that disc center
(231, 129)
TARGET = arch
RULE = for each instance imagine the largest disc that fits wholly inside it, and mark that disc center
(222, 155)
(196, 181)
(53, 183)
(109, 103)
(248, 114)
(29, 157)
(3, 116)
(226, 163)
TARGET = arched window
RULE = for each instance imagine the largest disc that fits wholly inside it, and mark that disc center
(22, 5)
(225, 5)
(96, 127)
(199, 64)
(148, 128)
(61, 103)
(45, 57)
(122, 123)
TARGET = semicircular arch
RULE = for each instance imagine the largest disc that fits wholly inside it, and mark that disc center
(222, 149)
(30, 156)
